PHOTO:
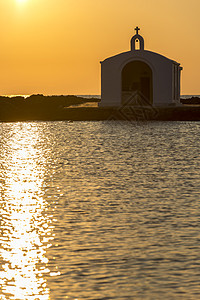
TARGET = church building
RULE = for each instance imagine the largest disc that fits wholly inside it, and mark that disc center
(139, 77)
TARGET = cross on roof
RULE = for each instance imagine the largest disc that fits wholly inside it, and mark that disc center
(137, 29)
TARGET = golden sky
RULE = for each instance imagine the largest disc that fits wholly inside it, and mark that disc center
(55, 46)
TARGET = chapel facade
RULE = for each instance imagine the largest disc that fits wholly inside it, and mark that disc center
(140, 77)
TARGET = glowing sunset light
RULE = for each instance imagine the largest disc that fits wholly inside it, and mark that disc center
(24, 245)
(55, 47)
(21, 1)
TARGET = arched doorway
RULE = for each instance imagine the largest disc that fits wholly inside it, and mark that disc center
(137, 80)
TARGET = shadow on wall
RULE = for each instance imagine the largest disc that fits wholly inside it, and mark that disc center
(137, 77)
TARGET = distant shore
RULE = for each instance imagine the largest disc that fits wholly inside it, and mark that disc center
(78, 108)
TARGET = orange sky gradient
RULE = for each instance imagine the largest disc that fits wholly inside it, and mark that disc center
(55, 47)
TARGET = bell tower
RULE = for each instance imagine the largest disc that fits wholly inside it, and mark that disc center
(137, 38)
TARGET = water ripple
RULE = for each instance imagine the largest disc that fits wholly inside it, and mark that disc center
(100, 210)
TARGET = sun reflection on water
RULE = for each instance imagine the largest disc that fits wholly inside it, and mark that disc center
(26, 229)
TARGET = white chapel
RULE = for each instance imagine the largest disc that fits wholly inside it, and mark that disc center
(139, 74)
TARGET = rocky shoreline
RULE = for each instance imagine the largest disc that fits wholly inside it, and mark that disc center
(74, 108)
(191, 101)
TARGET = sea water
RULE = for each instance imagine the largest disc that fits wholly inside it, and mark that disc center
(99, 210)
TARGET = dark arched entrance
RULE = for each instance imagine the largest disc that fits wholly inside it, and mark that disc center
(137, 80)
